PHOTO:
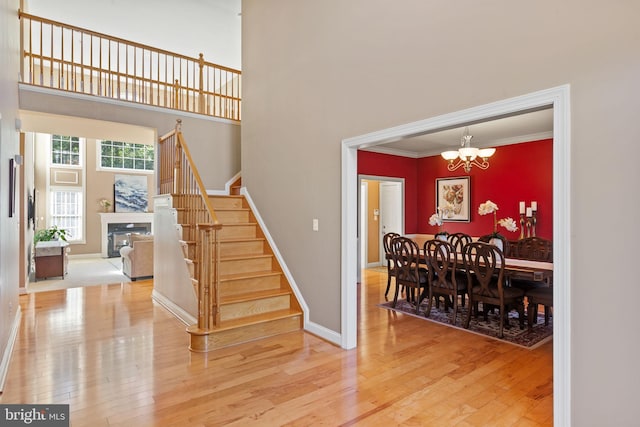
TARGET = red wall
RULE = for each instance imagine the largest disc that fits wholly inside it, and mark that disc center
(385, 165)
(519, 172)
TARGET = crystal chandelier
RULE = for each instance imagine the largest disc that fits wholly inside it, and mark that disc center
(467, 155)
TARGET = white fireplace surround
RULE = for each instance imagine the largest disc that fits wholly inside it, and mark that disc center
(117, 218)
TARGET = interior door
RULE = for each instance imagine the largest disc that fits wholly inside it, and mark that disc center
(391, 210)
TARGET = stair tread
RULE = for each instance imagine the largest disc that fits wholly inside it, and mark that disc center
(245, 256)
(257, 318)
(254, 274)
(253, 295)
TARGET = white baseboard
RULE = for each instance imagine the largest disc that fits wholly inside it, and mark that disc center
(332, 336)
(96, 255)
(172, 308)
(6, 357)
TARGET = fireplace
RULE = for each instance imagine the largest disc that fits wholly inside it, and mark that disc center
(118, 235)
(116, 226)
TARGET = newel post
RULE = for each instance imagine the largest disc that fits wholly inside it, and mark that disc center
(201, 85)
(177, 160)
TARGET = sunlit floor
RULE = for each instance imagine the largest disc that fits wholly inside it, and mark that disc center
(118, 359)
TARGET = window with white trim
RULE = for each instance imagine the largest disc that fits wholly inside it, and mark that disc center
(126, 155)
(66, 211)
(66, 150)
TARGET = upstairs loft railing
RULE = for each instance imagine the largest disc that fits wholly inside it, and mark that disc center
(70, 58)
(178, 176)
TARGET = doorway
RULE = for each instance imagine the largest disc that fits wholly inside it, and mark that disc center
(557, 98)
(381, 212)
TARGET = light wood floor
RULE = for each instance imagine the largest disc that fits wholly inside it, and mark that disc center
(120, 360)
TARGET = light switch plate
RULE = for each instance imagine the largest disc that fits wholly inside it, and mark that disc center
(315, 224)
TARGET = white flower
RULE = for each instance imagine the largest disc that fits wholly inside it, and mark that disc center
(508, 223)
(487, 207)
(435, 219)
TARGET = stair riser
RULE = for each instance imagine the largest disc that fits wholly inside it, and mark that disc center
(238, 232)
(233, 217)
(225, 202)
(247, 333)
(255, 247)
(249, 308)
(262, 283)
(250, 265)
(224, 216)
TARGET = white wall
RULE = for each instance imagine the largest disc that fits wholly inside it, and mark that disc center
(325, 71)
(9, 147)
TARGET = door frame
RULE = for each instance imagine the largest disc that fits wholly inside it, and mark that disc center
(557, 98)
(380, 179)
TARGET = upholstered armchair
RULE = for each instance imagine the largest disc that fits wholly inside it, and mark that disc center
(137, 258)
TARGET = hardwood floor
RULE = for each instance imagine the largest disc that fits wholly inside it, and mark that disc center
(120, 360)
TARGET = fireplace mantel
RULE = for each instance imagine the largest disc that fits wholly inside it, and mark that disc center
(107, 218)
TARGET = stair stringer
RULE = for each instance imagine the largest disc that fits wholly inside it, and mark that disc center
(309, 326)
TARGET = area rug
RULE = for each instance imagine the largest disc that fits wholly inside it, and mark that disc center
(83, 272)
(514, 335)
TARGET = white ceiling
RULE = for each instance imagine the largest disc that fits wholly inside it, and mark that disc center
(531, 126)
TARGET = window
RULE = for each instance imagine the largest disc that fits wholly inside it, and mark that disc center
(66, 211)
(65, 150)
(126, 155)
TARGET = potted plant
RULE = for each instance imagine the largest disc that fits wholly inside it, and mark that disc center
(51, 233)
(437, 219)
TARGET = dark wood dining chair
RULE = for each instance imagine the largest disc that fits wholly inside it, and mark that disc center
(533, 249)
(386, 242)
(539, 296)
(459, 240)
(405, 254)
(484, 264)
(443, 280)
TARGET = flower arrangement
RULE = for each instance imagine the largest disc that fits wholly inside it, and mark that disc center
(489, 207)
(437, 219)
(106, 204)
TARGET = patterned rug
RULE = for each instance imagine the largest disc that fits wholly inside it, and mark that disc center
(514, 335)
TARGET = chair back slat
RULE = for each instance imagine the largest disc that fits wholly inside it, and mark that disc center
(484, 264)
(441, 263)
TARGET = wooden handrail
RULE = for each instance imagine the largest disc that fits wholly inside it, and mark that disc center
(179, 176)
(70, 58)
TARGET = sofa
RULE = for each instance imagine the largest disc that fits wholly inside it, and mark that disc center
(137, 258)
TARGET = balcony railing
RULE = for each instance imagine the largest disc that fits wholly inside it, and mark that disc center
(69, 58)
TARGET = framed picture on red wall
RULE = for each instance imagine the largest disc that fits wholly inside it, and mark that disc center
(453, 198)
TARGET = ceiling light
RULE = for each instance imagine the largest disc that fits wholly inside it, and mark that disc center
(467, 155)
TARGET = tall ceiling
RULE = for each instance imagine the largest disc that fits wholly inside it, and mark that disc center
(188, 27)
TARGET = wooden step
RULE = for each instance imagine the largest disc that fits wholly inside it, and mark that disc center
(238, 231)
(251, 303)
(232, 284)
(235, 247)
(225, 216)
(236, 331)
(246, 264)
(226, 202)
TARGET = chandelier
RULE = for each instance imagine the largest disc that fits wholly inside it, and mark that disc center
(467, 155)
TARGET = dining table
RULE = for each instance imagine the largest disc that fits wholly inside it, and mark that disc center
(515, 268)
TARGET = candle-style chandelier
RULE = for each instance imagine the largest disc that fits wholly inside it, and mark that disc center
(467, 155)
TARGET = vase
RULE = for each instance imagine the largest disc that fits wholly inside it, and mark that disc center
(497, 243)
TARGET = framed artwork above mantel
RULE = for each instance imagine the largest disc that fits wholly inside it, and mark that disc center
(453, 198)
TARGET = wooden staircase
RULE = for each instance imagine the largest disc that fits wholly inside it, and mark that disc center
(255, 298)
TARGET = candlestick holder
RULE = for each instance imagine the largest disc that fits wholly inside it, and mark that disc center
(529, 225)
(522, 225)
(534, 219)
